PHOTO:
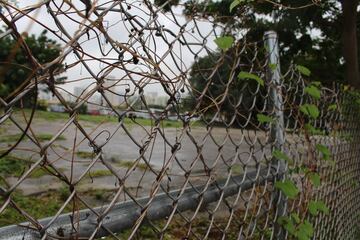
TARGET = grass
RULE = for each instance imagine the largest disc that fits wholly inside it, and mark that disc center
(128, 163)
(47, 204)
(119, 163)
(11, 138)
(41, 137)
(55, 116)
(178, 229)
(13, 166)
(237, 169)
(100, 173)
(99, 194)
(47, 137)
(40, 172)
(37, 206)
(83, 154)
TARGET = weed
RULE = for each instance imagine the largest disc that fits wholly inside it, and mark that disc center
(237, 169)
(41, 137)
(99, 194)
(100, 173)
(55, 116)
(47, 137)
(13, 166)
(128, 163)
(82, 154)
(40, 172)
(11, 138)
(37, 206)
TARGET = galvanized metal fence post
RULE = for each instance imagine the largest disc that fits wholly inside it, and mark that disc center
(277, 137)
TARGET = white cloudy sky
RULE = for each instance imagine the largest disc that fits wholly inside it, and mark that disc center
(117, 29)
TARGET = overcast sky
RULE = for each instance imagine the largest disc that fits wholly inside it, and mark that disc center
(119, 30)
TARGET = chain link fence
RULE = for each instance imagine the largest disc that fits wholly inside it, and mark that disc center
(165, 135)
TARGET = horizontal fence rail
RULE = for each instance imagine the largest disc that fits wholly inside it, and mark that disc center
(124, 215)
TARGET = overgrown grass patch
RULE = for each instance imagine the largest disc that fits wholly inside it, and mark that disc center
(100, 173)
(11, 138)
(40, 172)
(42, 137)
(83, 154)
(13, 166)
(237, 169)
(41, 206)
(47, 137)
(128, 163)
(178, 229)
(55, 116)
(99, 194)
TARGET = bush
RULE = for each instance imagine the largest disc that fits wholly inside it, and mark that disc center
(42, 105)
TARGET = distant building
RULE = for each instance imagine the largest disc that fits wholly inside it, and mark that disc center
(152, 98)
(44, 93)
(94, 104)
(112, 92)
(79, 93)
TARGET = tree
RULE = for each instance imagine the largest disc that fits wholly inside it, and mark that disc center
(218, 91)
(14, 65)
(309, 36)
(350, 42)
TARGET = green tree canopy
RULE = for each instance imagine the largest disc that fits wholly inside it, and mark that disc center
(15, 68)
(309, 34)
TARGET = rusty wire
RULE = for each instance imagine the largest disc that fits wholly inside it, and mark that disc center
(138, 48)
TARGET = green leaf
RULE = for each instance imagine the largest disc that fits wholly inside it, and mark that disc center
(332, 107)
(316, 83)
(246, 75)
(305, 231)
(312, 207)
(281, 156)
(310, 109)
(237, 2)
(317, 206)
(313, 91)
(295, 217)
(282, 220)
(303, 70)
(322, 207)
(287, 223)
(346, 136)
(288, 188)
(324, 150)
(272, 66)
(290, 227)
(313, 131)
(225, 42)
(355, 183)
(264, 119)
(234, 4)
(315, 179)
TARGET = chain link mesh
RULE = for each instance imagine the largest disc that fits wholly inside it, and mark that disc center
(200, 166)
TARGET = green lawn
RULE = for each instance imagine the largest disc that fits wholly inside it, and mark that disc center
(15, 166)
(53, 116)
